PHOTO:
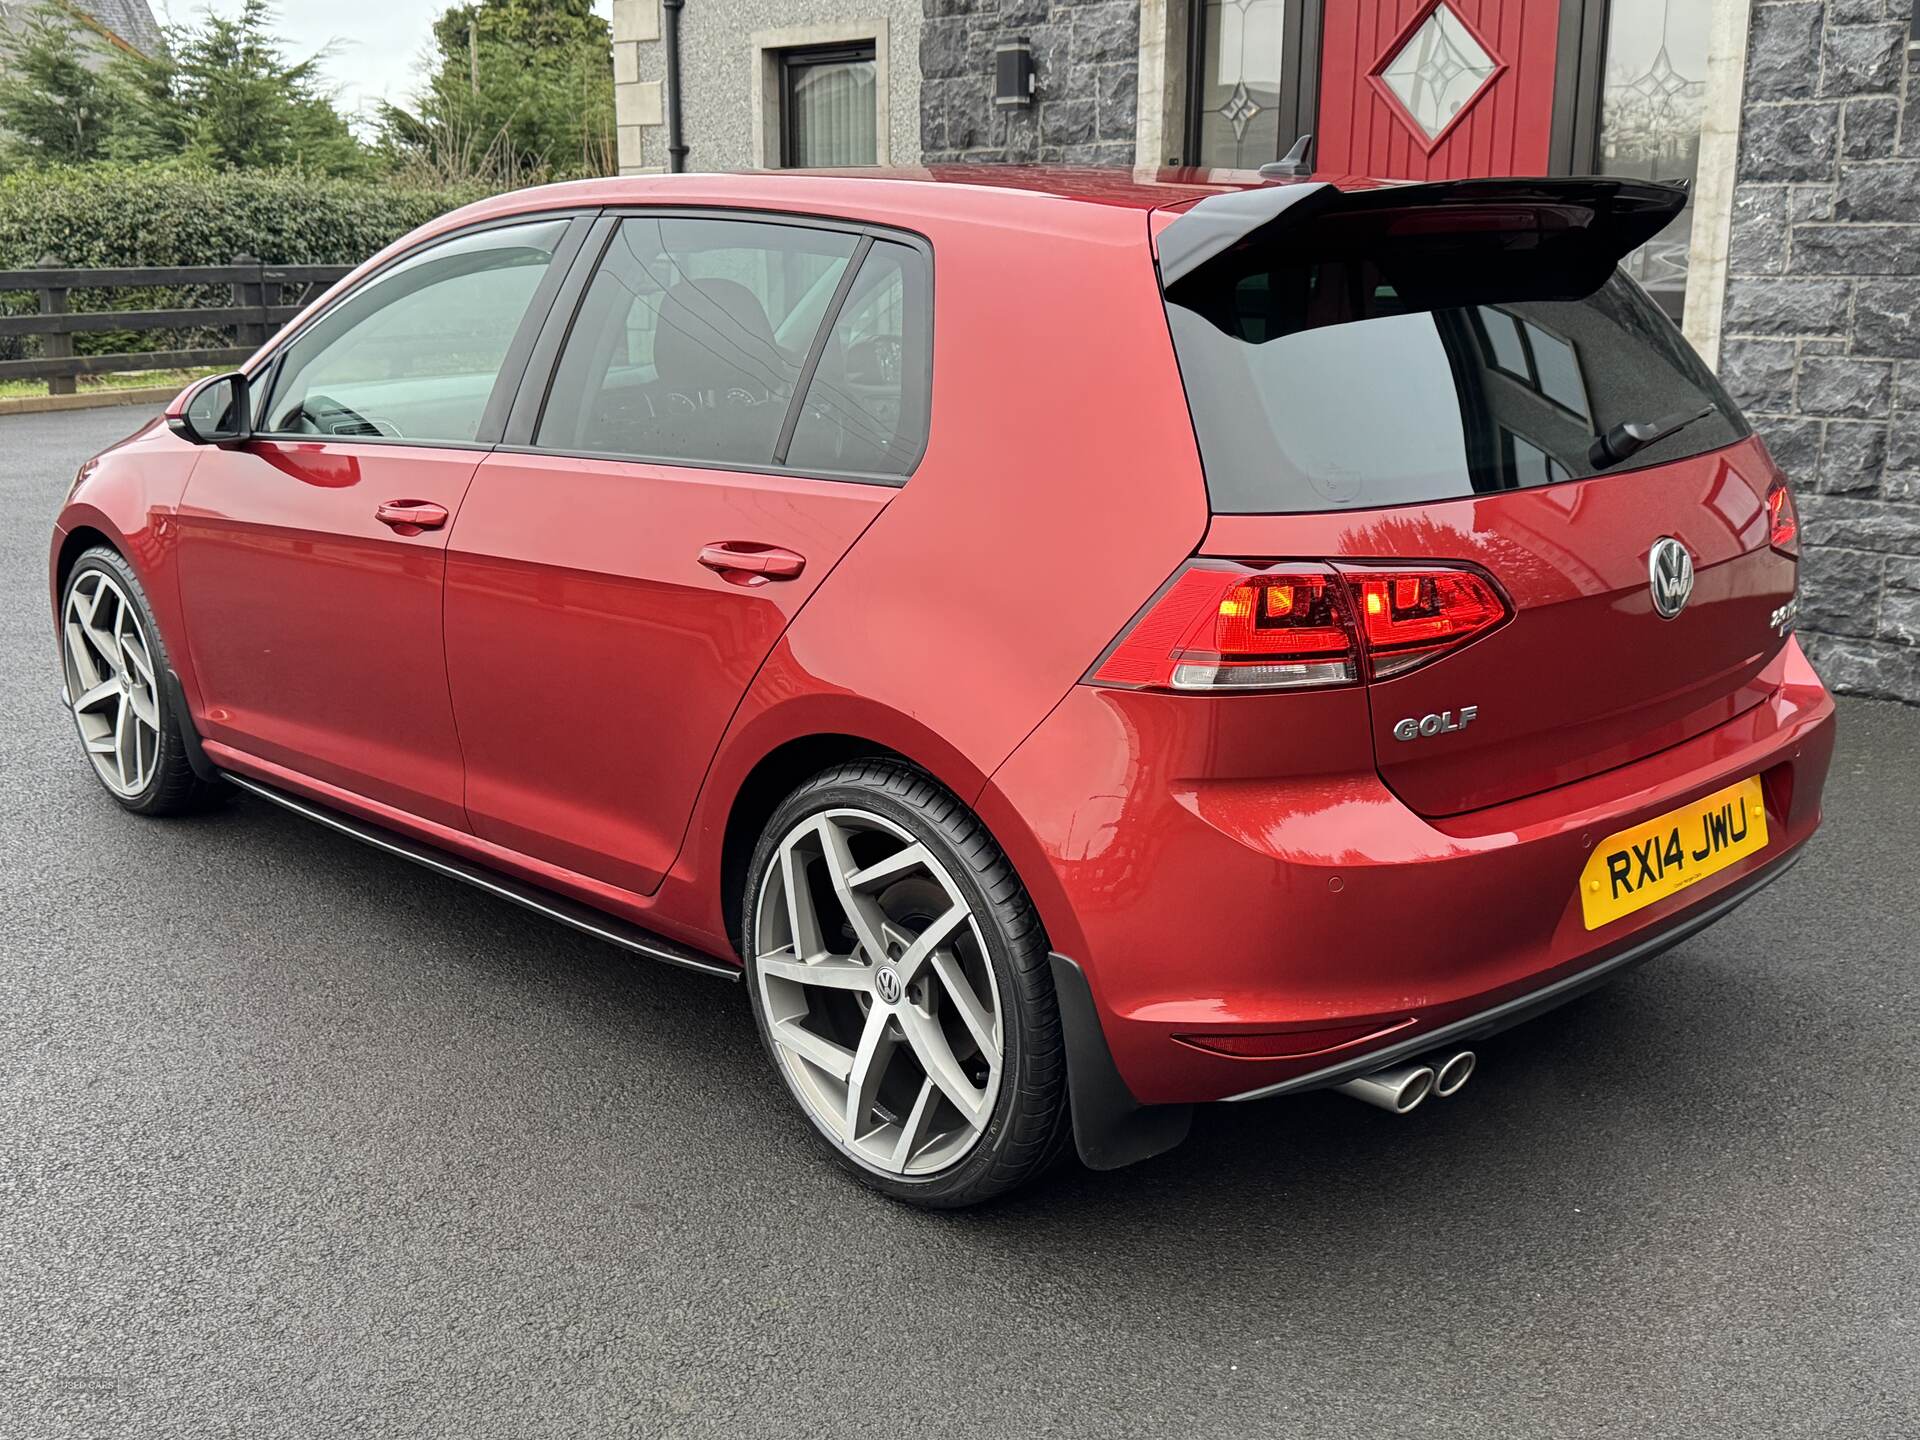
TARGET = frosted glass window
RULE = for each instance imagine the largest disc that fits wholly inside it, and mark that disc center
(1652, 105)
(1240, 83)
(1438, 70)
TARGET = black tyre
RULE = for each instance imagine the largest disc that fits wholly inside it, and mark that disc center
(115, 667)
(899, 979)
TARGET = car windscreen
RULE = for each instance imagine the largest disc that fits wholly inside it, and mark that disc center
(1388, 357)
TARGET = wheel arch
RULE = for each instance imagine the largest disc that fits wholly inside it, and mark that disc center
(776, 775)
(83, 537)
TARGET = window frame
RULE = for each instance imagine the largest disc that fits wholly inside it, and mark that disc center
(265, 374)
(767, 81)
(799, 57)
(529, 406)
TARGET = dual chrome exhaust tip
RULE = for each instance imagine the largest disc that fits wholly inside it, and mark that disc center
(1402, 1088)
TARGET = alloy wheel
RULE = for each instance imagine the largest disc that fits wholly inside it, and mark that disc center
(877, 993)
(110, 682)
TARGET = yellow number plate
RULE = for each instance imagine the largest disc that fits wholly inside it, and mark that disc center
(1632, 869)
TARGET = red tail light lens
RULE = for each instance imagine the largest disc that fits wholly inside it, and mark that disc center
(1783, 521)
(1410, 616)
(1221, 626)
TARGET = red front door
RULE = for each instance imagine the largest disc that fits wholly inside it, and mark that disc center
(1437, 89)
(315, 623)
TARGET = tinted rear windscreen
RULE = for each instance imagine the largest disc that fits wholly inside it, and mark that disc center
(1391, 357)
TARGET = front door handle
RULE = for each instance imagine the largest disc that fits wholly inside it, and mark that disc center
(410, 517)
(745, 563)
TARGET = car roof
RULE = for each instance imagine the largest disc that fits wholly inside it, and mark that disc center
(1010, 195)
(1005, 193)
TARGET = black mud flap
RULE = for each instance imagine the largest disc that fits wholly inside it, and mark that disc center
(197, 760)
(1110, 1128)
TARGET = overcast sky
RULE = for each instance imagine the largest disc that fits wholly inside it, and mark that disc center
(378, 42)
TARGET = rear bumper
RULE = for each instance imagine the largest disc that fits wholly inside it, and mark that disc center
(1326, 911)
(1520, 1008)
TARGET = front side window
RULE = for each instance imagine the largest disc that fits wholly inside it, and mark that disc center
(691, 339)
(414, 353)
(827, 107)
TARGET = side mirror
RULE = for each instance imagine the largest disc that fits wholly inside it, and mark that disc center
(215, 411)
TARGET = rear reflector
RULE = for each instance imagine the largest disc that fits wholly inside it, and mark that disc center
(1290, 1044)
(1783, 521)
(1221, 626)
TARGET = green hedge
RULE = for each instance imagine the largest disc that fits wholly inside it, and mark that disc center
(101, 215)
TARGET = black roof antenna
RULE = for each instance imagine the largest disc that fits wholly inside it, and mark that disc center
(1295, 163)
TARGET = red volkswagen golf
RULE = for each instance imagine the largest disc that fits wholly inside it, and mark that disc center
(1076, 646)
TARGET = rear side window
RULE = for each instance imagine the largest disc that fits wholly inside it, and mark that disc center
(866, 409)
(691, 340)
(414, 353)
(1356, 361)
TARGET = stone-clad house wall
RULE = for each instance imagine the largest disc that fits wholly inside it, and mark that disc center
(1086, 59)
(1821, 333)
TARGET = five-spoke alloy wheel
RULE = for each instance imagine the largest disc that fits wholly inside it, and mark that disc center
(878, 998)
(110, 682)
(114, 665)
(899, 977)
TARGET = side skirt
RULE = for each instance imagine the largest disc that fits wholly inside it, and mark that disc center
(600, 925)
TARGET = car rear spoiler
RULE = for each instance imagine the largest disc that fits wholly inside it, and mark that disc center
(1594, 221)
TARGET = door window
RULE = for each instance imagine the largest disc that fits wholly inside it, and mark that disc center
(691, 339)
(414, 353)
(866, 409)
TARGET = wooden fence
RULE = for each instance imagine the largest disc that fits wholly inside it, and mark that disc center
(261, 298)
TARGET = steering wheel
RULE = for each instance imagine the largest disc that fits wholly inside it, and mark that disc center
(324, 415)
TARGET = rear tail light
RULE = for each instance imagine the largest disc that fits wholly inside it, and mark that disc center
(1410, 616)
(1783, 521)
(1222, 626)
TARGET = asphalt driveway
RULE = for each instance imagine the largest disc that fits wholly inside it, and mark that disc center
(299, 1140)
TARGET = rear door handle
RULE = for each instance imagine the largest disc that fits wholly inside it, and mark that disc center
(746, 563)
(410, 517)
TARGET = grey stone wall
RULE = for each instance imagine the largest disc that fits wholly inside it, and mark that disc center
(1821, 336)
(1086, 58)
(718, 61)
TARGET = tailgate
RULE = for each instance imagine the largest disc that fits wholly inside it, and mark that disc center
(1586, 675)
(1421, 374)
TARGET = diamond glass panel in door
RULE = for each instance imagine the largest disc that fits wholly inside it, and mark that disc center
(1651, 110)
(1438, 71)
(1239, 82)
(830, 117)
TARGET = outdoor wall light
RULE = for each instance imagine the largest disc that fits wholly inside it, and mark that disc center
(1013, 73)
